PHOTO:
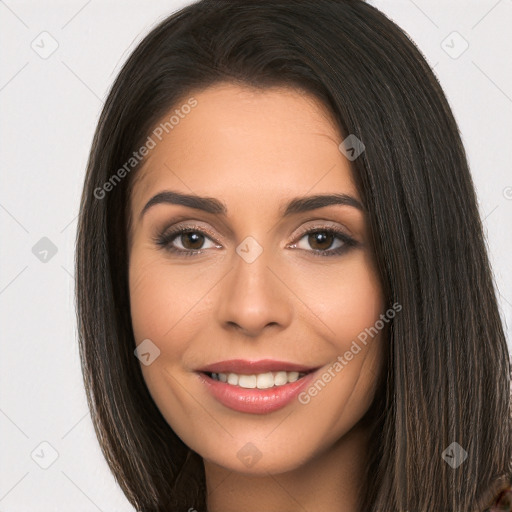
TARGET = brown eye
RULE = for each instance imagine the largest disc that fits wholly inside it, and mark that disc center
(192, 240)
(325, 242)
(185, 241)
(321, 240)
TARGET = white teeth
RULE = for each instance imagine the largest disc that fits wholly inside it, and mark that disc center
(293, 376)
(247, 381)
(280, 378)
(265, 380)
(233, 379)
(260, 381)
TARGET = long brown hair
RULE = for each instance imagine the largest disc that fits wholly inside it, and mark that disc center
(448, 369)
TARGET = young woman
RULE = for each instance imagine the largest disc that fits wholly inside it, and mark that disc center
(283, 293)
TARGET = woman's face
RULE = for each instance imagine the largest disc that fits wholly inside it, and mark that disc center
(254, 280)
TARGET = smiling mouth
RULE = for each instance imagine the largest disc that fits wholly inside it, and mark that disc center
(258, 380)
(256, 393)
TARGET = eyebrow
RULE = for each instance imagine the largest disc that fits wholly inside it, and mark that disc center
(214, 206)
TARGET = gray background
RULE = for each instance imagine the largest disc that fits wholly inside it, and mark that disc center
(49, 105)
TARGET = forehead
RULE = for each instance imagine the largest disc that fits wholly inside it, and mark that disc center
(241, 142)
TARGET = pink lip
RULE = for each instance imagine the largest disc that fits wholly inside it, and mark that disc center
(255, 401)
(245, 367)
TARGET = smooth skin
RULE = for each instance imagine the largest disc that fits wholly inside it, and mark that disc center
(254, 151)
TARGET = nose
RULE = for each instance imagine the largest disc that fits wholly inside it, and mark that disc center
(253, 298)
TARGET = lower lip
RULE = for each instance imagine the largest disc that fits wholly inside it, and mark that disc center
(255, 401)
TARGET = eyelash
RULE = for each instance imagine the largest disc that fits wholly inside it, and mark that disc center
(164, 240)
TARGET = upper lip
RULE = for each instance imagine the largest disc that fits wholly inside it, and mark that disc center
(242, 366)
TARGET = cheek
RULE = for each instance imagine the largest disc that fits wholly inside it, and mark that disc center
(163, 298)
(346, 298)
(147, 301)
(360, 301)
(350, 302)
